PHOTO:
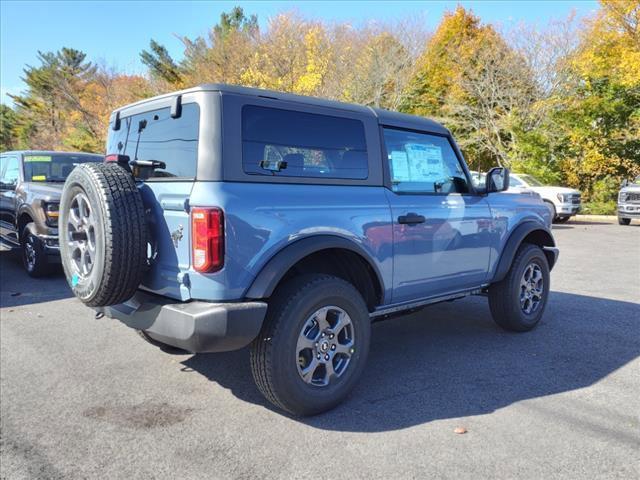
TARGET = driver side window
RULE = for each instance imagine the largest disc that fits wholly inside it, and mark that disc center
(423, 163)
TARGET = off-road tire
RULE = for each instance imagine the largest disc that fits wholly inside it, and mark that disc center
(38, 265)
(120, 233)
(504, 296)
(273, 351)
(624, 221)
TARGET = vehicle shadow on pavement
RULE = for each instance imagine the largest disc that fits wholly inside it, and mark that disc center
(451, 361)
(18, 289)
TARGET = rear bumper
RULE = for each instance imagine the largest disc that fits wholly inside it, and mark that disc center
(193, 326)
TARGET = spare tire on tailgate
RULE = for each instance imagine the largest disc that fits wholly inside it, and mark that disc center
(103, 234)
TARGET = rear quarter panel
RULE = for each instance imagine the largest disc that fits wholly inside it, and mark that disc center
(261, 219)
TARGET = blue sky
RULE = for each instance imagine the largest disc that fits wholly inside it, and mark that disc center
(114, 32)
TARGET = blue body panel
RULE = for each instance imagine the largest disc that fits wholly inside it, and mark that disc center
(457, 248)
(449, 252)
(261, 219)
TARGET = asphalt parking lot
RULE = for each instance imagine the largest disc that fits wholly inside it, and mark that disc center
(83, 398)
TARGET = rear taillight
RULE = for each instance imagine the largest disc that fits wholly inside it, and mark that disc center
(207, 239)
(115, 158)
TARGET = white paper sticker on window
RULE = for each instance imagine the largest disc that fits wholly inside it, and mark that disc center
(400, 166)
(425, 162)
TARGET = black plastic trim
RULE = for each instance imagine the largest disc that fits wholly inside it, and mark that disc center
(276, 268)
(515, 240)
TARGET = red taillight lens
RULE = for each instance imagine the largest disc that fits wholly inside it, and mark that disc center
(207, 239)
(115, 158)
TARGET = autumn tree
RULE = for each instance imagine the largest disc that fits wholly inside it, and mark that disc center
(8, 120)
(599, 114)
(475, 83)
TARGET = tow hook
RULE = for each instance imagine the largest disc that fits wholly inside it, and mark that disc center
(99, 315)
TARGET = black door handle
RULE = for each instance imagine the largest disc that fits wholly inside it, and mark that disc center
(411, 219)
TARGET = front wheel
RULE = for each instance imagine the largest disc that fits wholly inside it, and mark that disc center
(313, 346)
(562, 219)
(518, 301)
(624, 221)
(34, 257)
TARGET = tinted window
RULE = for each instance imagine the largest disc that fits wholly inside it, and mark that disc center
(422, 163)
(154, 135)
(53, 168)
(10, 169)
(297, 144)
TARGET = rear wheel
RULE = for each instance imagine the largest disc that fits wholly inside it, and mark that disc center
(518, 301)
(34, 257)
(313, 346)
(624, 221)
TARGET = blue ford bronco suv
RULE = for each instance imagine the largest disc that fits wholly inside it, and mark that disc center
(226, 216)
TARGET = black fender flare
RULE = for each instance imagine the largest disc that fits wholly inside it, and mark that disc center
(26, 209)
(274, 270)
(545, 240)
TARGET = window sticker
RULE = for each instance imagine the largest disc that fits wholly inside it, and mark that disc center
(425, 162)
(39, 178)
(37, 158)
(400, 166)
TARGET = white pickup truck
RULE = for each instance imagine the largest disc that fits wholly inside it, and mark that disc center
(562, 201)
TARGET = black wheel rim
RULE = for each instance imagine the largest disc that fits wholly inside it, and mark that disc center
(30, 252)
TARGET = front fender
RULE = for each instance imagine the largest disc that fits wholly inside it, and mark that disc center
(537, 231)
(274, 270)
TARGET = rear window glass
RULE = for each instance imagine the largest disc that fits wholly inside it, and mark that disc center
(296, 144)
(54, 168)
(154, 135)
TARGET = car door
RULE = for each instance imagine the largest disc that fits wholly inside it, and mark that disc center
(9, 176)
(442, 230)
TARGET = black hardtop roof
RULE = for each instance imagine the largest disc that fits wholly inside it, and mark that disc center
(50, 152)
(384, 117)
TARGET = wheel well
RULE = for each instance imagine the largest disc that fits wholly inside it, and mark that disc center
(541, 238)
(344, 264)
(23, 220)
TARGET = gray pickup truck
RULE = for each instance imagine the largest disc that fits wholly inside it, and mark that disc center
(629, 201)
(30, 189)
(228, 216)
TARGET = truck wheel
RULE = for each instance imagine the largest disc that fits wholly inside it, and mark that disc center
(562, 219)
(313, 345)
(102, 234)
(518, 301)
(34, 258)
(624, 221)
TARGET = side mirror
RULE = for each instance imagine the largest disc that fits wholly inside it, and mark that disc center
(497, 180)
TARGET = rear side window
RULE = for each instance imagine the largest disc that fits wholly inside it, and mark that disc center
(154, 135)
(288, 143)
